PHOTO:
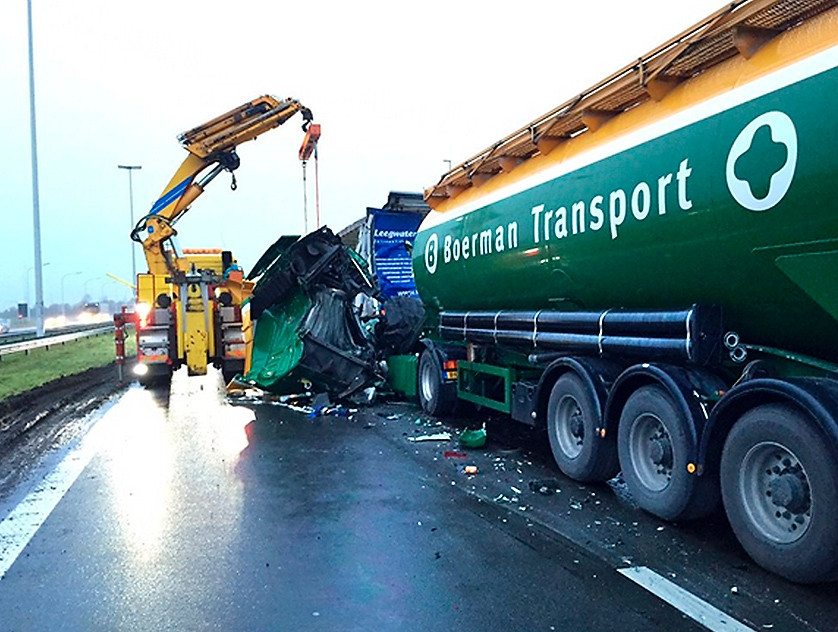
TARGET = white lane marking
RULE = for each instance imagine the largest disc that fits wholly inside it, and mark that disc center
(21, 524)
(696, 609)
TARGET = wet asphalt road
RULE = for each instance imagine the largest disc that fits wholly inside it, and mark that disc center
(193, 514)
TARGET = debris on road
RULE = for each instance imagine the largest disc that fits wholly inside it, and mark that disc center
(451, 454)
(332, 411)
(439, 436)
(545, 487)
(473, 438)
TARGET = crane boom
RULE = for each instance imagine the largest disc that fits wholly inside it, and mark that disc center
(212, 144)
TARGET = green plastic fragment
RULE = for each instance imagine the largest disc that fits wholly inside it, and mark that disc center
(473, 438)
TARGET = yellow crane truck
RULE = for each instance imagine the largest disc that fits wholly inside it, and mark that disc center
(189, 304)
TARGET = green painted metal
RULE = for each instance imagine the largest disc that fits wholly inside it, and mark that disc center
(472, 385)
(669, 223)
(402, 373)
(277, 346)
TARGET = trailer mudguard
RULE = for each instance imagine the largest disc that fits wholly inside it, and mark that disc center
(691, 389)
(596, 374)
(815, 397)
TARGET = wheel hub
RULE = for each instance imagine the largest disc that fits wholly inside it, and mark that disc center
(775, 491)
(577, 427)
(651, 452)
(570, 426)
(789, 492)
(661, 451)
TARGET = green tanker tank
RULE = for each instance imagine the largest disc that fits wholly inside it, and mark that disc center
(650, 272)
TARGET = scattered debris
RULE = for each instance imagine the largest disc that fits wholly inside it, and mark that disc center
(546, 486)
(306, 410)
(321, 400)
(451, 454)
(332, 411)
(473, 438)
(367, 396)
(575, 504)
(439, 436)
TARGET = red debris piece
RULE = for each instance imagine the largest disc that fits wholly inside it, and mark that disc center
(450, 454)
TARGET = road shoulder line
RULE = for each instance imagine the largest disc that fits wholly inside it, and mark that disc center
(24, 520)
(696, 609)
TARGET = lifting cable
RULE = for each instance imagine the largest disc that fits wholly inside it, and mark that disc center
(308, 148)
(316, 189)
(305, 200)
(316, 193)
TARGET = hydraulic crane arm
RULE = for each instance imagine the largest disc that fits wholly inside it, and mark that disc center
(212, 144)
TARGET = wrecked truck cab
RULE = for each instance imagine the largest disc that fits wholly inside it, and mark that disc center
(305, 324)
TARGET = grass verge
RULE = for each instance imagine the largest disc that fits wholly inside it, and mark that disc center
(21, 372)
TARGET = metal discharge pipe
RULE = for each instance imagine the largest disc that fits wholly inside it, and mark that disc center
(692, 335)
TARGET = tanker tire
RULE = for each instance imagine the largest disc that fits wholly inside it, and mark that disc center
(572, 424)
(808, 552)
(653, 444)
(436, 397)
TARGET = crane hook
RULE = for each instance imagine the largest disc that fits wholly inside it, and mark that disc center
(308, 117)
(233, 185)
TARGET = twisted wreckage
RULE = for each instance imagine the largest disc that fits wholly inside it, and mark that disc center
(307, 319)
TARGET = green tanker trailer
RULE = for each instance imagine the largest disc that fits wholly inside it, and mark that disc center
(650, 272)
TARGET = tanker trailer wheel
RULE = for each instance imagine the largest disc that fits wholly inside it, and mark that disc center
(572, 421)
(780, 492)
(653, 443)
(436, 397)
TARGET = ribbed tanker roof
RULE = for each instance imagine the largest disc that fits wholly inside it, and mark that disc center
(739, 28)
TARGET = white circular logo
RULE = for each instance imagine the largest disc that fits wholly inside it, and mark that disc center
(782, 131)
(431, 248)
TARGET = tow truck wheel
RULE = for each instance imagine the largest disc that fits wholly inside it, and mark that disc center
(780, 492)
(436, 397)
(156, 377)
(231, 368)
(572, 422)
(653, 444)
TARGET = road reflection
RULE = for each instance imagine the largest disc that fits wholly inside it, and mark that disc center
(140, 454)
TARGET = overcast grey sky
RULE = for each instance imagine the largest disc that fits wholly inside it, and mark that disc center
(398, 88)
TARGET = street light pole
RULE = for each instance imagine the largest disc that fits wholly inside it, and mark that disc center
(36, 211)
(64, 278)
(131, 169)
(28, 270)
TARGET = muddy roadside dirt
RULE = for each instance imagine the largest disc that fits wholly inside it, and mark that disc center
(34, 421)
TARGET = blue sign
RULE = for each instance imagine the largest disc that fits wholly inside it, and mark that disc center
(391, 259)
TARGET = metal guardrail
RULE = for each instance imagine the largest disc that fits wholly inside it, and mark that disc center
(29, 333)
(54, 338)
(17, 335)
